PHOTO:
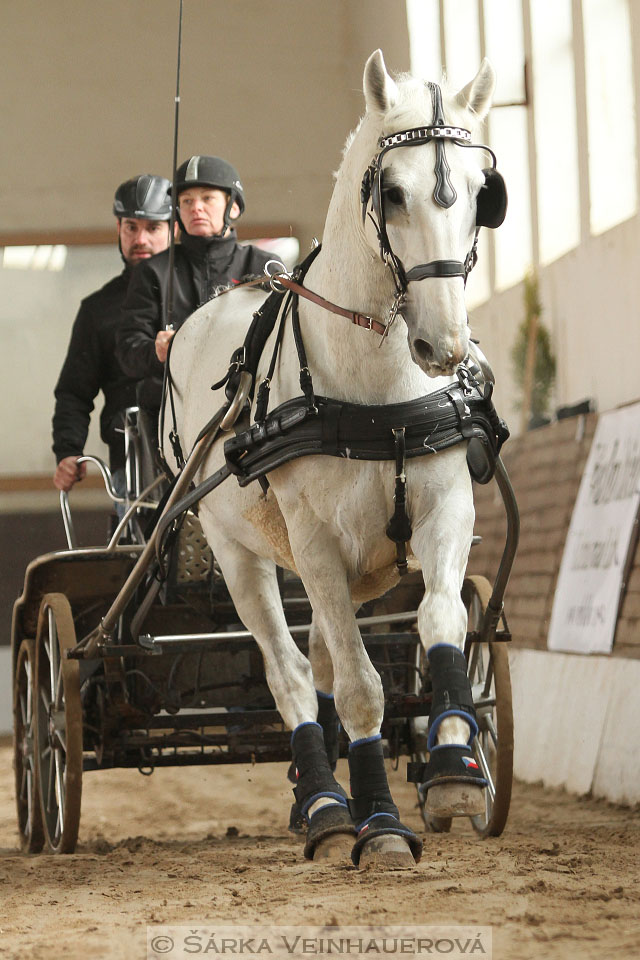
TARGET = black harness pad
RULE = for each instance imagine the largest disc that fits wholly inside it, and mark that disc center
(359, 432)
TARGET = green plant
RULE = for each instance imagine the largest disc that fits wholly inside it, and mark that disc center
(543, 367)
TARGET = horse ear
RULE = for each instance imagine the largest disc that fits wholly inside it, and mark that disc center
(380, 91)
(478, 94)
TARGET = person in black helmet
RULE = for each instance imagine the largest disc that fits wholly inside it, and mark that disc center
(143, 210)
(210, 198)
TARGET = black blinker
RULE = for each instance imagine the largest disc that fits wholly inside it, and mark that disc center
(365, 191)
(492, 200)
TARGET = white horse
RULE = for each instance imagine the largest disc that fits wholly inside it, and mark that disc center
(325, 517)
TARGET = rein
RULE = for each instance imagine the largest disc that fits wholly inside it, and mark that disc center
(359, 319)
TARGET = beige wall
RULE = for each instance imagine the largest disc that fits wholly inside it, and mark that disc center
(88, 99)
(591, 305)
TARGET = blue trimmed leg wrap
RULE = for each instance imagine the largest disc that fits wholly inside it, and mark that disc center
(450, 763)
(372, 806)
(328, 720)
(315, 780)
(451, 690)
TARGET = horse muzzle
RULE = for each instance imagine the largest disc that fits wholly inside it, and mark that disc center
(439, 359)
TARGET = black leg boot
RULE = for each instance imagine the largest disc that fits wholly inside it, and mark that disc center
(328, 720)
(372, 807)
(449, 763)
(315, 780)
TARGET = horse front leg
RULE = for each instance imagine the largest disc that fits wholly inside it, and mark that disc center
(322, 669)
(451, 779)
(320, 800)
(382, 839)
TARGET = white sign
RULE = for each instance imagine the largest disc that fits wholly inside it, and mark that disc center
(586, 601)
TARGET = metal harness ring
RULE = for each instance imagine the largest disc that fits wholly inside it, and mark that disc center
(273, 275)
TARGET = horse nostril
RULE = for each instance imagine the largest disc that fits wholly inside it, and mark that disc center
(423, 350)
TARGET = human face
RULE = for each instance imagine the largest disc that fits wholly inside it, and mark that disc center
(202, 210)
(140, 239)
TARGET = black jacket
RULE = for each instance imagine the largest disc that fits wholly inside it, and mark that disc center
(91, 366)
(201, 265)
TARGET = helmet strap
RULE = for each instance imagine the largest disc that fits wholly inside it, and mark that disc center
(228, 222)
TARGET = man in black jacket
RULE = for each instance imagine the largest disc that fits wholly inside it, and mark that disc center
(210, 197)
(143, 210)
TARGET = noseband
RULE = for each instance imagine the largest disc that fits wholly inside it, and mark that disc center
(491, 205)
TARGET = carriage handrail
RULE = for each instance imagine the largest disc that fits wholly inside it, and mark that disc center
(64, 497)
(110, 489)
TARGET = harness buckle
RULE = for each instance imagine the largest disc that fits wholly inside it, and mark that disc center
(240, 362)
(398, 300)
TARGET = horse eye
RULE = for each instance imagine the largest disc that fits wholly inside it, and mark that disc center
(395, 195)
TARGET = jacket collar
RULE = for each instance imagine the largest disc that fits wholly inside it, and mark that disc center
(208, 248)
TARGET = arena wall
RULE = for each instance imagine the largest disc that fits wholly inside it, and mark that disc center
(575, 715)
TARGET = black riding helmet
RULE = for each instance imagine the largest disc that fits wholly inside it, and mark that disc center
(211, 172)
(143, 198)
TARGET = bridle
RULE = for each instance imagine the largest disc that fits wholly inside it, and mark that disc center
(491, 208)
(490, 212)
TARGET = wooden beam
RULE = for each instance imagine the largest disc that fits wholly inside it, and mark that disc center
(103, 235)
(37, 482)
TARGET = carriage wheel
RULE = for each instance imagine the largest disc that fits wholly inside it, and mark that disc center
(27, 790)
(58, 725)
(488, 667)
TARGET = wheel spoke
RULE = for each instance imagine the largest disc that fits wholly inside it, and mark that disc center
(47, 649)
(486, 692)
(53, 650)
(484, 766)
(27, 668)
(24, 783)
(23, 711)
(492, 730)
(29, 802)
(473, 660)
(50, 783)
(59, 783)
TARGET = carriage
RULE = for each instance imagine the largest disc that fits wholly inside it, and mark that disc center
(135, 654)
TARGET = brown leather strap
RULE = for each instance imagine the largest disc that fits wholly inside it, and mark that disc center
(360, 319)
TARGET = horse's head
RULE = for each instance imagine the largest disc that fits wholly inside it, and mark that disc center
(423, 196)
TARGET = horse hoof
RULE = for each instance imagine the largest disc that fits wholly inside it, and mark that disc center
(386, 853)
(336, 847)
(455, 800)
(327, 828)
